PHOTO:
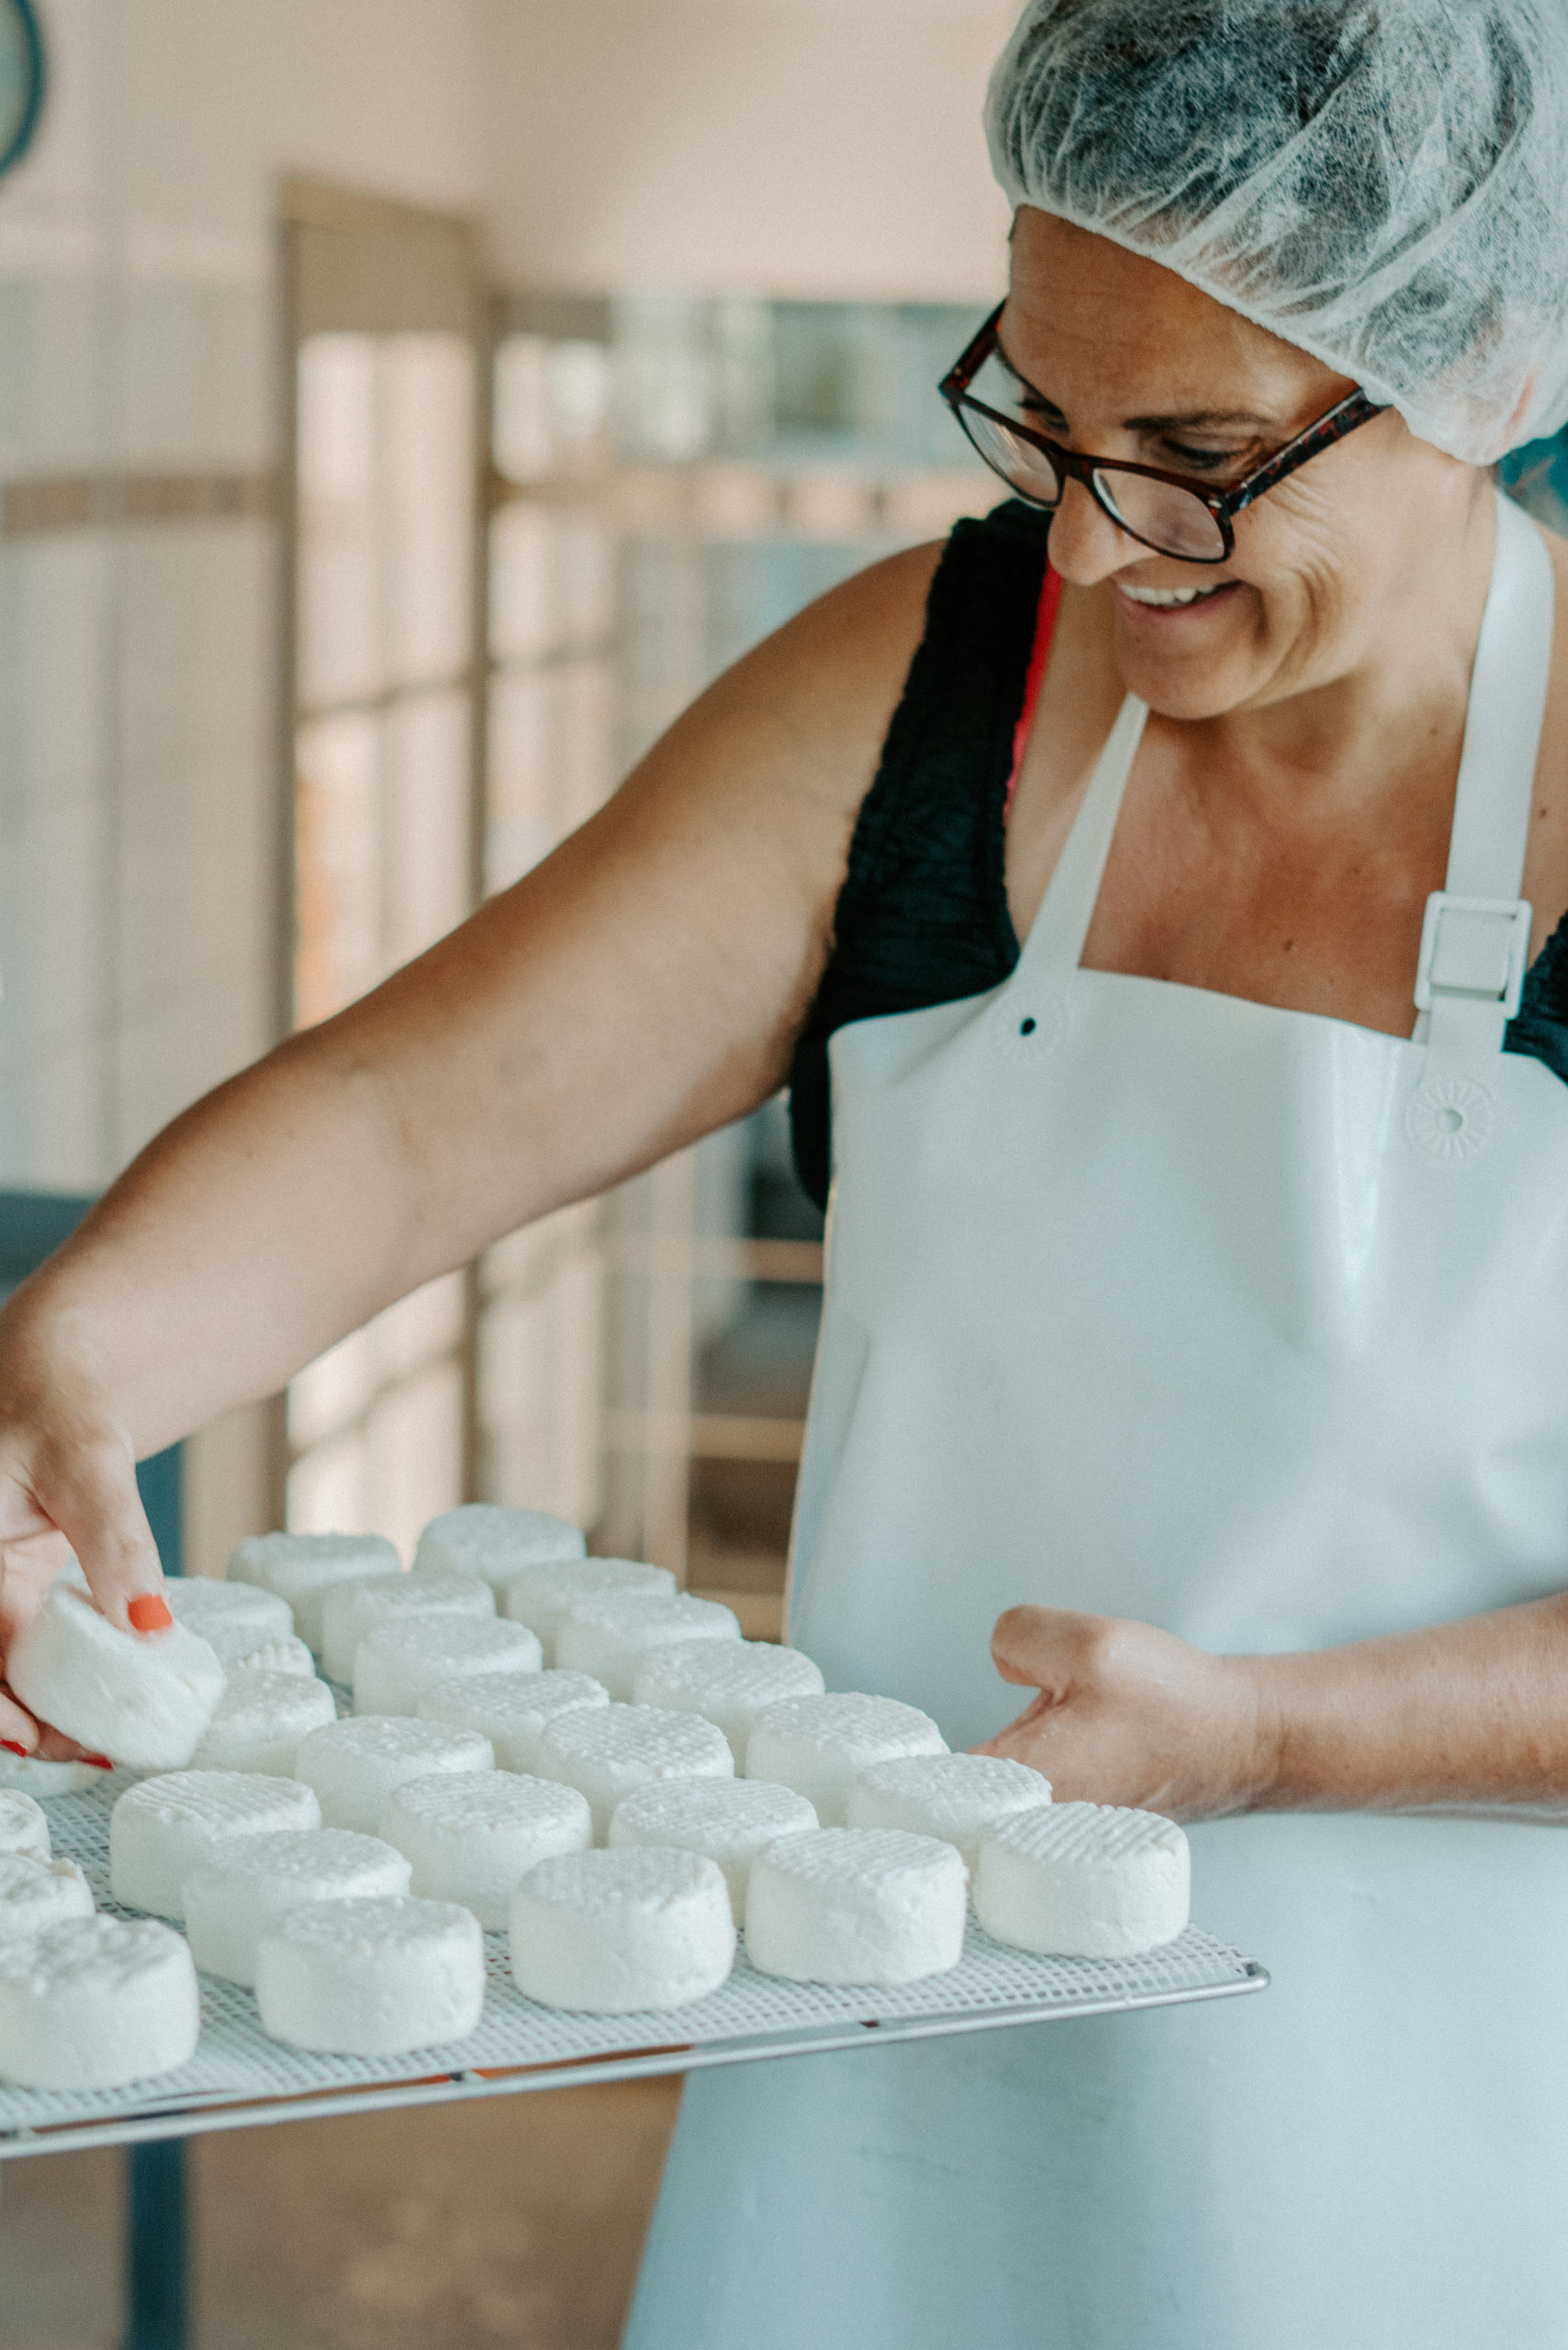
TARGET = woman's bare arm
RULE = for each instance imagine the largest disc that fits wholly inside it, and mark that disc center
(640, 988)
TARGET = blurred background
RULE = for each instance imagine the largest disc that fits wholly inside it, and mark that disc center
(406, 406)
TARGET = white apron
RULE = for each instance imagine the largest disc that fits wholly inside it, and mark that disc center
(1252, 1325)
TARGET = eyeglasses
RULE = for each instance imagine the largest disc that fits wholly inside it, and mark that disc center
(1168, 512)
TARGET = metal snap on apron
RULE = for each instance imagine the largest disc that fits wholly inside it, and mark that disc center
(1252, 1325)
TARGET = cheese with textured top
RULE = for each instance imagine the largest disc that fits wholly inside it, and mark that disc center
(395, 1662)
(606, 1751)
(1084, 1880)
(611, 1635)
(819, 1745)
(539, 1597)
(261, 1719)
(24, 1825)
(856, 1904)
(159, 1830)
(229, 1616)
(142, 1698)
(94, 2003)
(355, 1609)
(513, 1710)
(303, 1568)
(613, 1933)
(472, 1836)
(283, 1655)
(728, 1820)
(730, 1683)
(355, 1765)
(959, 1797)
(372, 1978)
(37, 1893)
(488, 1539)
(236, 1896)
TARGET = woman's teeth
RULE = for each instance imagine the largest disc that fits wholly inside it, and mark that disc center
(1164, 596)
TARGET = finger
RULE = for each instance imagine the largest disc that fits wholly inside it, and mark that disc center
(19, 1731)
(90, 1493)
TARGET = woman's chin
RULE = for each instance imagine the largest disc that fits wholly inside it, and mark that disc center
(1190, 682)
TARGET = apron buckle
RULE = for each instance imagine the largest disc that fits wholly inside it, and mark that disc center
(1473, 950)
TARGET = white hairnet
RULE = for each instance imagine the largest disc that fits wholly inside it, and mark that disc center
(1382, 182)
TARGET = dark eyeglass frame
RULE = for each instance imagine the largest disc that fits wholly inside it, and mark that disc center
(1224, 505)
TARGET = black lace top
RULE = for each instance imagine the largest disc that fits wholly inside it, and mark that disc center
(923, 916)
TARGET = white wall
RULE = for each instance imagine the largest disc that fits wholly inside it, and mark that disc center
(806, 148)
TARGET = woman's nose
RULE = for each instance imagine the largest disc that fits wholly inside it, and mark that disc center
(1086, 545)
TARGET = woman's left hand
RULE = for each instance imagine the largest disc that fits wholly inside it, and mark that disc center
(1129, 1715)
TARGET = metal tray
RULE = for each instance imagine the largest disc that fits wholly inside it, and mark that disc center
(238, 2078)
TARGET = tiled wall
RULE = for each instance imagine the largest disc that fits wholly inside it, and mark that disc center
(136, 885)
(139, 891)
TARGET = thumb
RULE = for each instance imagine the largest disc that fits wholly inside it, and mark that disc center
(88, 1490)
(1040, 1647)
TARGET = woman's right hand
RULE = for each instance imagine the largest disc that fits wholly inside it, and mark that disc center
(67, 1488)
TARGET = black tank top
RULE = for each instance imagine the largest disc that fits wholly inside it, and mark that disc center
(923, 916)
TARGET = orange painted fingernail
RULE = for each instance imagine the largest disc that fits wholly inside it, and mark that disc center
(149, 1613)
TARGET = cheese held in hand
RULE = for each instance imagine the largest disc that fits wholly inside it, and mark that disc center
(142, 1698)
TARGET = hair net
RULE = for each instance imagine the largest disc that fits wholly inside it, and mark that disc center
(1382, 182)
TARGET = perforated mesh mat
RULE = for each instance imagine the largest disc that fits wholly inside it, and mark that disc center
(239, 2076)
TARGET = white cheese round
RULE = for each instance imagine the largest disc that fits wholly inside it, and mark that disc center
(355, 1609)
(261, 1719)
(353, 1765)
(485, 1538)
(233, 1897)
(614, 1933)
(959, 1797)
(611, 1636)
(24, 1825)
(730, 1683)
(159, 1830)
(231, 1615)
(1084, 1880)
(372, 1978)
(728, 1820)
(28, 1776)
(397, 1662)
(142, 1698)
(513, 1710)
(472, 1836)
(289, 1655)
(856, 1904)
(606, 1751)
(34, 1894)
(95, 2003)
(819, 1745)
(303, 1568)
(539, 1597)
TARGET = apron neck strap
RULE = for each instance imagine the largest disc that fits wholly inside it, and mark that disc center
(1476, 937)
(1502, 726)
(1054, 948)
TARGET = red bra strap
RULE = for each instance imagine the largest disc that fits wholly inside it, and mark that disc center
(1045, 628)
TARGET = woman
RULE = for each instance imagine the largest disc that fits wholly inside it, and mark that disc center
(1191, 1321)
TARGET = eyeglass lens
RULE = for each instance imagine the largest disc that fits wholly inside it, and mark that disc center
(1160, 513)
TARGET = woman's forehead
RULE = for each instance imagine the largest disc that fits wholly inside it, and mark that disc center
(1089, 322)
